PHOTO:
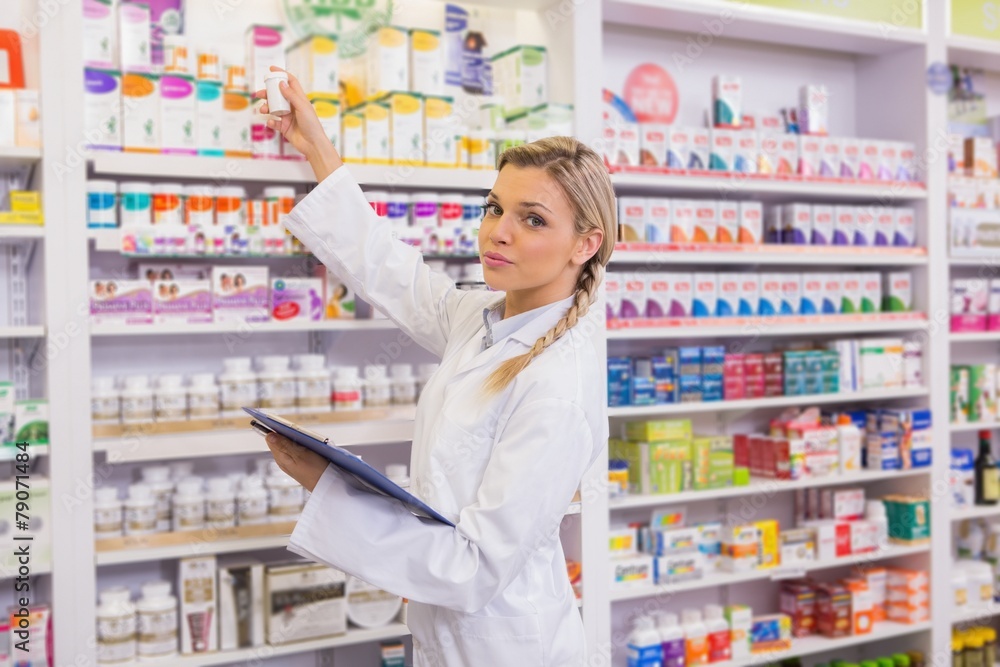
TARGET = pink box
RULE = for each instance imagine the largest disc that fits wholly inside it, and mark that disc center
(969, 302)
(239, 294)
(121, 302)
(296, 299)
(188, 301)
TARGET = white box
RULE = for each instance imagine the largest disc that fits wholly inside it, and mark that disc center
(905, 232)
(832, 293)
(352, 133)
(134, 47)
(728, 219)
(178, 115)
(844, 223)
(304, 601)
(751, 222)
(406, 128)
(679, 144)
(632, 571)
(315, 62)
(822, 225)
(829, 161)
(727, 101)
(728, 297)
(871, 292)
(426, 62)
(239, 294)
(633, 213)
(700, 148)
(885, 226)
(850, 290)
(769, 299)
(749, 294)
(682, 220)
(188, 301)
(99, 35)
(796, 224)
(747, 152)
(241, 606)
(439, 132)
(613, 288)
(723, 150)
(377, 137)
(211, 115)
(263, 48)
(196, 588)
(681, 294)
(842, 504)
(29, 118)
(868, 160)
(705, 295)
(811, 301)
(658, 220)
(814, 110)
(888, 160)
(237, 120)
(520, 77)
(658, 296)
(141, 112)
(773, 224)
(864, 226)
(850, 157)
(791, 294)
(102, 106)
(633, 296)
(881, 366)
(898, 292)
(809, 156)
(653, 144)
(706, 221)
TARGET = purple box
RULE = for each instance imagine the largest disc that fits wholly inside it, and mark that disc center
(296, 299)
(121, 302)
(239, 294)
(188, 301)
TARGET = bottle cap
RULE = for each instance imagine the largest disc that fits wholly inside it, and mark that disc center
(155, 474)
(115, 595)
(139, 492)
(106, 494)
(156, 589)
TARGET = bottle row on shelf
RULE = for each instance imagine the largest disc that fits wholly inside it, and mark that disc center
(272, 386)
(656, 295)
(658, 220)
(703, 374)
(975, 571)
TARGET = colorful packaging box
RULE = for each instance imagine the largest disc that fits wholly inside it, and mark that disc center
(705, 295)
(749, 294)
(705, 221)
(188, 301)
(871, 292)
(633, 296)
(633, 212)
(811, 301)
(388, 61)
(822, 225)
(658, 295)
(829, 164)
(316, 62)
(770, 293)
(723, 150)
(904, 228)
(771, 633)
(728, 218)
(378, 141)
(237, 115)
(681, 295)
(814, 109)
(296, 299)
(439, 131)
(178, 115)
(141, 125)
(406, 128)
(658, 223)
(791, 294)
(727, 101)
(751, 221)
(102, 121)
(679, 143)
(831, 294)
(619, 380)
(864, 226)
(850, 289)
(850, 157)
(728, 295)
(797, 222)
(898, 295)
(682, 216)
(844, 224)
(810, 156)
(700, 149)
(653, 139)
(240, 294)
(885, 226)
(121, 302)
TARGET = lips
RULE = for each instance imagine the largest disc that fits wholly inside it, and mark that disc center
(497, 257)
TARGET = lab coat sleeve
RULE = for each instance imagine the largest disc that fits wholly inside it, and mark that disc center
(338, 225)
(533, 472)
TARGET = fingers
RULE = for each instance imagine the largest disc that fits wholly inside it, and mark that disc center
(260, 94)
(296, 97)
(263, 109)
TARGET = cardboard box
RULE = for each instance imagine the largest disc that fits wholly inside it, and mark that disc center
(240, 294)
(198, 593)
(304, 601)
(121, 302)
(241, 606)
(188, 301)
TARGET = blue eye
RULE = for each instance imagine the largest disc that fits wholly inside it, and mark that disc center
(535, 222)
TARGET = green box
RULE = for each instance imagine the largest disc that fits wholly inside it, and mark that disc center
(959, 400)
(658, 430)
(656, 467)
(31, 422)
(909, 519)
(982, 392)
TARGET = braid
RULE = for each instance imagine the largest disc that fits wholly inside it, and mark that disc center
(586, 293)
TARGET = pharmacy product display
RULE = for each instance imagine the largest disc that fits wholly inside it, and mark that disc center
(702, 374)
(660, 295)
(795, 144)
(974, 393)
(17, 206)
(975, 304)
(27, 634)
(391, 103)
(20, 109)
(229, 607)
(22, 421)
(974, 646)
(273, 383)
(665, 456)
(974, 478)
(973, 571)
(706, 221)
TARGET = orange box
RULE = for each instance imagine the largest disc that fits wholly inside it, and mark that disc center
(862, 618)
(910, 580)
(877, 583)
(905, 614)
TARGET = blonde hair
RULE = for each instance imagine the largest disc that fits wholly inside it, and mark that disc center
(584, 179)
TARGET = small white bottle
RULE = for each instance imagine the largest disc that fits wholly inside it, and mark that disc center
(238, 386)
(157, 621)
(404, 385)
(719, 641)
(644, 647)
(276, 383)
(116, 627)
(157, 478)
(695, 638)
(424, 373)
(189, 505)
(220, 504)
(170, 398)
(875, 513)
(347, 389)
(140, 510)
(107, 513)
(312, 383)
(203, 397)
(398, 473)
(181, 470)
(377, 388)
(105, 401)
(137, 400)
(251, 502)
(285, 496)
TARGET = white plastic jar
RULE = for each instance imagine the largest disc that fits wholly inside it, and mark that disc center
(203, 397)
(403, 385)
(199, 205)
(369, 606)
(347, 389)
(105, 401)
(285, 496)
(472, 216)
(101, 198)
(251, 502)
(181, 470)
(170, 399)
(157, 478)
(107, 513)
(116, 627)
(168, 204)
(312, 383)
(276, 383)
(220, 504)
(424, 373)
(137, 400)
(425, 220)
(397, 210)
(189, 505)
(238, 384)
(157, 610)
(135, 206)
(140, 510)
(451, 218)
(230, 206)
(378, 388)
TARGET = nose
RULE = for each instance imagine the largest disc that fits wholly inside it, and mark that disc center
(500, 233)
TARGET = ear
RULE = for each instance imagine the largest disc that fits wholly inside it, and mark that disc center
(588, 246)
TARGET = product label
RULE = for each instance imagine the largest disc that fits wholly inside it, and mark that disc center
(719, 648)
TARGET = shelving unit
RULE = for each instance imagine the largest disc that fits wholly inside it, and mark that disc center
(632, 253)
(736, 327)
(13, 157)
(270, 326)
(973, 426)
(975, 512)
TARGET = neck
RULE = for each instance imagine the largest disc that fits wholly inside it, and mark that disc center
(521, 301)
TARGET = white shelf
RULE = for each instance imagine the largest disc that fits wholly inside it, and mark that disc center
(975, 512)
(256, 654)
(185, 550)
(973, 52)
(817, 644)
(14, 232)
(977, 614)
(762, 403)
(761, 486)
(756, 327)
(770, 254)
(762, 24)
(35, 331)
(987, 261)
(180, 329)
(730, 578)
(973, 426)
(18, 156)
(283, 171)
(974, 336)
(671, 184)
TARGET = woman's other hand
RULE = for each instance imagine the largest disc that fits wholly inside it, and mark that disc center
(301, 128)
(299, 463)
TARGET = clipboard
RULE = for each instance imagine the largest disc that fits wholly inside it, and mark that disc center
(367, 476)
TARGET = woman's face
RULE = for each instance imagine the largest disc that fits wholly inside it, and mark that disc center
(527, 239)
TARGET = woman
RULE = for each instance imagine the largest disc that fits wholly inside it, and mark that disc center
(507, 426)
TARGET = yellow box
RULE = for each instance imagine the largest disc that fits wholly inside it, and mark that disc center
(352, 128)
(406, 128)
(426, 62)
(439, 132)
(767, 543)
(328, 110)
(388, 61)
(21, 218)
(25, 201)
(376, 115)
(315, 62)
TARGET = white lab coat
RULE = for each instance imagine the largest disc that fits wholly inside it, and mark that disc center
(493, 590)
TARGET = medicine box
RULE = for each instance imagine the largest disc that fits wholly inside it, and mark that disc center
(406, 128)
(814, 105)
(822, 225)
(187, 301)
(705, 221)
(681, 295)
(699, 151)
(197, 594)
(632, 215)
(315, 61)
(102, 121)
(844, 223)
(788, 154)
(728, 218)
(210, 117)
(619, 380)
(771, 633)
(240, 294)
(241, 606)
(864, 225)
(850, 289)
(613, 289)
(658, 430)
(751, 221)
(632, 571)
(121, 302)
(885, 226)
(134, 31)
(727, 106)
(809, 156)
(747, 152)
(377, 136)
(352, 132)
(658, 221)
(31, 421)
(304, 601)
(633, 296)
(904, 228)
(898, 295)
(705, 295)
(297, 299)
(791, 294)
(871, 292)
(178, 115)
(520, 76)
(770, 293)
(797, 223)
(263, 48)
(728, 294)
(682, 214)
(829, 163)
(723, 150)
(141, 125)
(653, 144)
(237, 121)
(679, 143)
(811, 300)
(850, 157)
(439, 131)
(675, 568)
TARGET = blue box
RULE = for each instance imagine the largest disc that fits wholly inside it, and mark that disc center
(619, 381)
(643, 390)
(689, 387)
(713, 359)
(711, 389)
(665, 378)
(795, 385)
(689, 360)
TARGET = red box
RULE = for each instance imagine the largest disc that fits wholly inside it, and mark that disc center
(774, 363)
(798, 600)
(753, 364)
(734, 366)
(741, 451)
(833, 610)
(734, 389)
(774, 390)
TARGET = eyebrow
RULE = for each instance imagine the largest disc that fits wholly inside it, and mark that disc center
(524, 204)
